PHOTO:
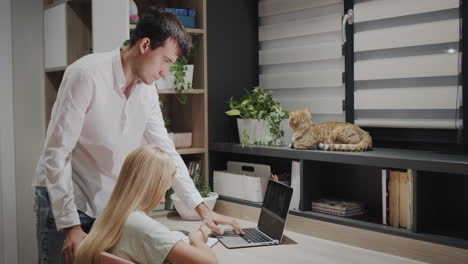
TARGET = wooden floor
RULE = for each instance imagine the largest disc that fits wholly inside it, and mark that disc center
(373, 241)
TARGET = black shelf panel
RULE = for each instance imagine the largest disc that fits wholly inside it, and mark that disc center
(240, 201)
(366, 222)
(379, 157)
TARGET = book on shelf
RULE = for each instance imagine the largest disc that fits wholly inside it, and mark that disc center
(338, 207)
(394, 218)
(193, 166)
(403, 205)
(338, 213)
(397, 198)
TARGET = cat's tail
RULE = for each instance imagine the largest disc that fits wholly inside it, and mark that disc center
(365, 144)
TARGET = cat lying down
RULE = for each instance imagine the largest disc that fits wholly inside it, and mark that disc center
(338, 136)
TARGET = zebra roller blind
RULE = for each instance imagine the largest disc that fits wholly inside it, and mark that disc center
(300, 55)
(407, 64)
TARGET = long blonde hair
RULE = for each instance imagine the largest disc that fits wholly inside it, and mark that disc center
(144, 178)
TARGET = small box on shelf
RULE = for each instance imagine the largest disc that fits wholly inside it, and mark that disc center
(241, 180)
(181, 140)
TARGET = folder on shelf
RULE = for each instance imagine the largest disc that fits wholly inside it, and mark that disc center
(384, 196)
(295, 184)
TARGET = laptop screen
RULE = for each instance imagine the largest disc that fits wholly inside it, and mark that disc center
(275, 209)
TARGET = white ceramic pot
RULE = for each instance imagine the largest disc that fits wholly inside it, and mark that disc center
(189, 74)
(166, 82)
(190, 214)
(259, 130)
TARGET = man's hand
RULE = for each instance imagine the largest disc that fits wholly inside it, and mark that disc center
(213, 220)
(73, 237)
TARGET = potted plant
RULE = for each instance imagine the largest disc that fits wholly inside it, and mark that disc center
(209, 198)
(261, 120)
(182, 71)
(180, 77)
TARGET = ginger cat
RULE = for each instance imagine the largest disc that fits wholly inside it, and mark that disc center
(338, 136)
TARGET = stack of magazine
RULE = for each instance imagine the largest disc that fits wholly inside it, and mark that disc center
(338, 208)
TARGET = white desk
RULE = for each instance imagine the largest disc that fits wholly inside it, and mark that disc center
(296, 248)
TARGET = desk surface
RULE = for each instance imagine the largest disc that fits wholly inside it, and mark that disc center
(296, 248)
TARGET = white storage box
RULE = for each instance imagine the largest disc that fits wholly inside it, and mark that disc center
(241, 180)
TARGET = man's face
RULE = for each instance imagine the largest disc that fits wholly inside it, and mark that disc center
(155, 64)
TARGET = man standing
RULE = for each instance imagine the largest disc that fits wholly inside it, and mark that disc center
(105, 107)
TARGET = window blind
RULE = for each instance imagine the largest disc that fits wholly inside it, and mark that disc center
(300, 57)
(407, 64)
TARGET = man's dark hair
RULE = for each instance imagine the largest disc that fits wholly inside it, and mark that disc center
(158, 26)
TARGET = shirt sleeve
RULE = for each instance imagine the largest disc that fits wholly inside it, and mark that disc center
(156, 134)
(64, 129)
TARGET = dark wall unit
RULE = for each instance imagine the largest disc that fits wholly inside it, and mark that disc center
(232, 60)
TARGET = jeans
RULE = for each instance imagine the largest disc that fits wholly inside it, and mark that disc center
(49, 240)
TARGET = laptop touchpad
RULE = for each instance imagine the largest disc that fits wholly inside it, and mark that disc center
(230, 238)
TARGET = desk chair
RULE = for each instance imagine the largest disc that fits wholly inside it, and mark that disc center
(108, 258)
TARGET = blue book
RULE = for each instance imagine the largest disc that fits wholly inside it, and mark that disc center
(185, 15)
(178, 11)
(191, 12)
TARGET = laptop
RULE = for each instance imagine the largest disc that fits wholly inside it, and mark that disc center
(271, 223)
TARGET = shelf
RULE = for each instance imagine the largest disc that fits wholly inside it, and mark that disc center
(55, 3)
(193, 31)
(173, 91)
(56, 69)
(379, 157)
(186, 151)
(363, 223)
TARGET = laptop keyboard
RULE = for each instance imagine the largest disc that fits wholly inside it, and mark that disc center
(252, 235)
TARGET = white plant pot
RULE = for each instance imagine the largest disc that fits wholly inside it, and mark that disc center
(259, 130)
(168, 81)
(189, 74)
(190, 214)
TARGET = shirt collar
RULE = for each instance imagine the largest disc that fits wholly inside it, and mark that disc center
(118, 69)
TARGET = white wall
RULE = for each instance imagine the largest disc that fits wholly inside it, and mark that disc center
(109, 31)
(7, 155)
(29, 117)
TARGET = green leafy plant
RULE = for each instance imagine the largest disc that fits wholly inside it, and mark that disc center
(167, 121)
(202, 186)
(245, 138)
(259, 104)
(169, 205)
(179, 69)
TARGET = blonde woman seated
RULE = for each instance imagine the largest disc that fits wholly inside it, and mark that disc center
(125, 229)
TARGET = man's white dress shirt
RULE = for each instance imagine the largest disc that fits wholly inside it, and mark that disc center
(93, 128)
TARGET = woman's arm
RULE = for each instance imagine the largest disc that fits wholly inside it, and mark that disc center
(196, 252)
